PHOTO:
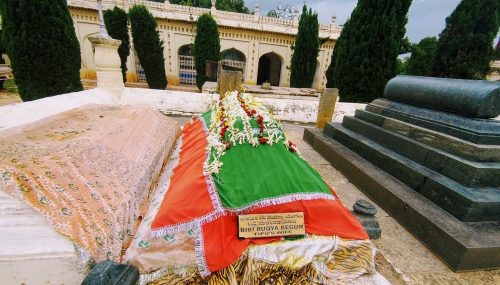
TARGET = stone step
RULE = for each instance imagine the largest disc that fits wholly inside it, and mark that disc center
(467, 173)
(453, 145)
(462, 246)
(467, 204)
(479, 131)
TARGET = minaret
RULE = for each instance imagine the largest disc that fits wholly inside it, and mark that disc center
(256, 11)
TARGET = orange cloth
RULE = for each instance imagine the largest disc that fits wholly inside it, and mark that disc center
(188, 184)
(321, 217)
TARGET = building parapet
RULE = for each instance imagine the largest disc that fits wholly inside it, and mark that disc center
(223, 18)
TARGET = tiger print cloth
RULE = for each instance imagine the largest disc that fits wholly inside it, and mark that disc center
(292, 262)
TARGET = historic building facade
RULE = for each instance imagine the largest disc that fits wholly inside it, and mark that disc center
(260, 45)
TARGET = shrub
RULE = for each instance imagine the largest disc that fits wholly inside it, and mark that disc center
(365, 55)
(422, 57)
(148, 45)
(116, 23)
(465, 46)
(206, 46)
(41, 43)
(305, 51)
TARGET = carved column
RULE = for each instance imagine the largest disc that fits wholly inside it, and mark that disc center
(107, 64)
(106, 58)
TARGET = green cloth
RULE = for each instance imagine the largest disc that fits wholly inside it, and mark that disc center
(250, 174)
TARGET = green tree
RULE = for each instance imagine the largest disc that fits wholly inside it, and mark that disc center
(422, 57)
(305, 51)
(206, 46)
(465, 46)
(365, 55)
(41, 43)
(148, 45)
(116, 23)
(2, 48)
(402, 66)
(497, 51)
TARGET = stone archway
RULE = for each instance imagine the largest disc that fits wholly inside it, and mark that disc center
(187, 69)
(235, 58)
(269, 69)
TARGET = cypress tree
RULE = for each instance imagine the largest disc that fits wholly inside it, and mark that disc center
(465, 46)
(2, 48)
(148, 45)
(41, 43)
(422, 57)
(116, 23)
(497, 51)
(305, 51)
(365, 55)
(206, 46)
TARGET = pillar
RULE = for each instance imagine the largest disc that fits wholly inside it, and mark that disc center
(108, 64)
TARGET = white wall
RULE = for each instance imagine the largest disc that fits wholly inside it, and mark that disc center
(26, 112)
(301, 109)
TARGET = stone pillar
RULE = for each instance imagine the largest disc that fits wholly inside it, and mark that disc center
(108, 64)
(326, 106)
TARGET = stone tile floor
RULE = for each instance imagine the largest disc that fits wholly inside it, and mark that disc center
(401, 258)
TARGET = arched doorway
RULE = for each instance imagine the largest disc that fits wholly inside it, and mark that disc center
(187, 70)
(235, 58)
(269, 69)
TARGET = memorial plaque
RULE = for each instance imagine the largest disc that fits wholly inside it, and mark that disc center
(271, 225)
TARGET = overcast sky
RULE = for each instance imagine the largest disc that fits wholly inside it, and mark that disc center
(426, 17)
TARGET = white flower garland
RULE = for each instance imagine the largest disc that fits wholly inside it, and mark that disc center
(223, 134)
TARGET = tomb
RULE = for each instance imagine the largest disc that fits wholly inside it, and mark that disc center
(429, 154)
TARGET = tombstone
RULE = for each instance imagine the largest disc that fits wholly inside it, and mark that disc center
(211, 70)
(228, 79)
(326, 107)
(429, 155)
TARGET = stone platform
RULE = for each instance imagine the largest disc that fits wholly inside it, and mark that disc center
(435, 172)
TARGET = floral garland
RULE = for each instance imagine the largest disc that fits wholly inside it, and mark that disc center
(223, 132)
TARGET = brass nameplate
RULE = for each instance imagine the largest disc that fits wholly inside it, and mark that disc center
(271, 225)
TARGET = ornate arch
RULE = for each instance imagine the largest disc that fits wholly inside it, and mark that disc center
(269, 70)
